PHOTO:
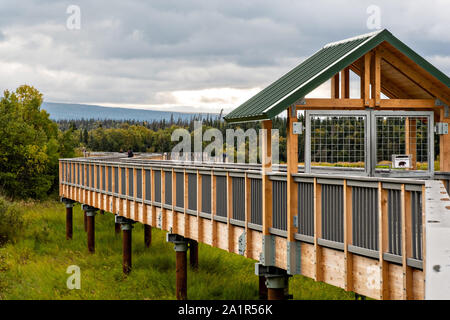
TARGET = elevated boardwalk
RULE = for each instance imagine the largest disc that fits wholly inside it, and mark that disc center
(362, 234)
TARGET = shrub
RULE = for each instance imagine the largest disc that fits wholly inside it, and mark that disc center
(11, 221)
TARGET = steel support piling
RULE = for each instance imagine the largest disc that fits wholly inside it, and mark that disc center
(90, 222)
(193, 254)
(181, 246)
(147, 235)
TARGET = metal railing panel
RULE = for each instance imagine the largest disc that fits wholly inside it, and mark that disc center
(332, 213)
(416, 224)
(168, 187)
(306, 208)
(157, 185)
(365, 217)
(110, 179)
(279, 205)
(148, 184)
(238, 198)
(103, 174)
(206, 193)
(221, 196)
(395, 222)
(192, 191)
(256, 201)
(179, 176)
(139, 183)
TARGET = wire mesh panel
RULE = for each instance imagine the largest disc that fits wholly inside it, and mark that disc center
(416, 222)
(206, 193)
(168, 187)
(395, 222)
(139, 183)
(82, 174)
(180, 189)
(256, 201)
(365, 217)
(279, 205)
(306, 208)
(332, 213)
(157, 185)
(123, 176)
(148, 184)
(221, 196)
(337, 140)
(63, 172)
(238, 198)
(78, 173)
(402, 135)
(192, 191)
(92, 176)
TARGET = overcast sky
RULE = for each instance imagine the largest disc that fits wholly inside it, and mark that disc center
(190, 55)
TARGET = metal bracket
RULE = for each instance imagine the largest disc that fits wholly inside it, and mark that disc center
(180, 242)
(441, 128)
(68, 202)
(293, 257)
(159, 220)
(123, 220)
(242, 243)
(296, 221)
(440, 103)
(267, 257)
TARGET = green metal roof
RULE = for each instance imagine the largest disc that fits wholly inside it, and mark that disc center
(317, 69)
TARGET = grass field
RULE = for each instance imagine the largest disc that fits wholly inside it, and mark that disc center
(35, 266)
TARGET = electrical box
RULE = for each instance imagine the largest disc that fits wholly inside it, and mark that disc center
(297, 128)
(441, 128)
(401, 161)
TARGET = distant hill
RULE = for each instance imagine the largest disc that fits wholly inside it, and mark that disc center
(68, 111)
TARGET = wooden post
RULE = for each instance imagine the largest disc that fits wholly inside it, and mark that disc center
(163, 199)
(406, 243)
(444, 143)
(136, 204)
(335, 86)
(213, 210)
(292, 168)
(96, 186)
(127, 202)
(199, 208)
(411, 140)
(376, 75)
(383, 244)
(174, 202)
(186, 205)
(266, 146)
(345, 83)
(153, 197)
(348, 257)
(248, 233)
(113, 189)
(365, 80)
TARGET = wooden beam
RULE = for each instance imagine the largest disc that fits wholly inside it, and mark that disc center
(266, 146)
(365, 80)
(444, 145)
(376, 83)
(383, 244)
(406, 243)
(335, 86)
(292, 168)
(348, 257)
(431, 87)
(345, 83)
(319, 103)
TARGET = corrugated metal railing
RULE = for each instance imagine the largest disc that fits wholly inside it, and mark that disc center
(192, 191)
(238, 198)
(364, 205)
(395, 222)
(279, 205)
(168, 187)
(256, 201)
(365, 217)
(221, 196)
(332, 213)
(306, 208)
(206, 193)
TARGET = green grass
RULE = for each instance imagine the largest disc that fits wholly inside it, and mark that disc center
(35, 266)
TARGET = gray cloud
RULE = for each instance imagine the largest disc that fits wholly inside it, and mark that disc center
(138, 52)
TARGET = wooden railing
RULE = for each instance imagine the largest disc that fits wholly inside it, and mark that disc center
(362, 234)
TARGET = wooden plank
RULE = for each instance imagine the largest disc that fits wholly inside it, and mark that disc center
(376, 84)
(383, 244)
(266, 146)
(406, 242)
(444, 145)
(345, 83)
(365, 82)
(348, 257)
(292, 168)
(318, 274)
(335, 86)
